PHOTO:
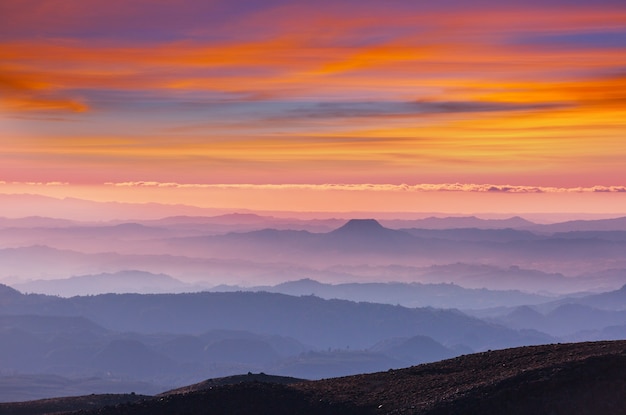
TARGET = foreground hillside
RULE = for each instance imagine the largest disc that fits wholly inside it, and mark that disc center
(581, 378)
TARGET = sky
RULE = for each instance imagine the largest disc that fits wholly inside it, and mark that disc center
(389, 105)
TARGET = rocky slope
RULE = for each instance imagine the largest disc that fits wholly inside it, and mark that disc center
(581, 378)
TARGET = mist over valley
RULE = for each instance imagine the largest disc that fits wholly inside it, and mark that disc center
(151, 305)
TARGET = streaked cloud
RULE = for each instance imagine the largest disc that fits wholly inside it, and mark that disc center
(373, 51)
(34, 184)
(523, 92)
(445, 187)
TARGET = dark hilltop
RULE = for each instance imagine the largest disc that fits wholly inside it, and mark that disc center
(580, 378)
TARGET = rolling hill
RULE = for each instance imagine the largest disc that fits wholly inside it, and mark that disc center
(581, 378)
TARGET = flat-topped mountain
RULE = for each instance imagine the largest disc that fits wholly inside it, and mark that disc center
(361, 226)
(368, 236)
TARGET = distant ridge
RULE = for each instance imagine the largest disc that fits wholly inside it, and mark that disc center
(21, 205)
(230, 218)
(614, 224)
(36, 221)
(407, 294)
(129, 281)
(460, 222)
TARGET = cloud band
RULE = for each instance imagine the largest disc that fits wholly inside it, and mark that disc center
(445, 187)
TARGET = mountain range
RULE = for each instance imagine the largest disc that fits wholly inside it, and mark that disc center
(171, 339)
(362, 250)
(161, 340)
(441, 295)
(162, 302)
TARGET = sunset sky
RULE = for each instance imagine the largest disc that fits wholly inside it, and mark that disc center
(392, 105)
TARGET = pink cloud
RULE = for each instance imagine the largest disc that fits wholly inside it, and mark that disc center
(445, 187)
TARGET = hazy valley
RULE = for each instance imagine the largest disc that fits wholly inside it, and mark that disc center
(155, 304)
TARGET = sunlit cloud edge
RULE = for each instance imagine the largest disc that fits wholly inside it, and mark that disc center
(445, 187)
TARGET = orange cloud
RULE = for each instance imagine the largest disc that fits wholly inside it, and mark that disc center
(27, 92)
(291, 69)
(308, 54)
(475, 93)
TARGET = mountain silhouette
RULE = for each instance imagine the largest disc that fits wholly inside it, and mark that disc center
(439, 295)
(461, 222)
(129, 281)
(7, 293)
(370, 236)
(308, 319)
(362, 226)
(612, 300)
